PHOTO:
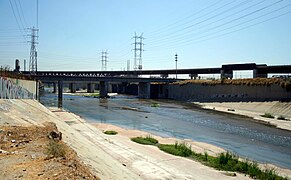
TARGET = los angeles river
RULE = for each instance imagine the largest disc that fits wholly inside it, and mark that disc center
(238, 135)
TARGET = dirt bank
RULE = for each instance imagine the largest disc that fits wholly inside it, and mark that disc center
(28, 153)
(255, 110)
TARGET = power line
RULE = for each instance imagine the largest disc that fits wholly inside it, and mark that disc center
(176, 23)
(21, 10)
(14, 15)
(175, 41)
(36, 13)
(227, 33)
(181, 32)
(18, 13)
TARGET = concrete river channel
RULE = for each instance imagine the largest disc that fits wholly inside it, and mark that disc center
(236, 134)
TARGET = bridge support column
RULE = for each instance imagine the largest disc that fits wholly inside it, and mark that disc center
(226, 74)
(258, 74)
(122, 87)
(97, 86)
(90, 88)
(144, 90)
(60, 94)
(193, 76)
(110, 87)
(72, 87)
(54, 87)
(103, 89)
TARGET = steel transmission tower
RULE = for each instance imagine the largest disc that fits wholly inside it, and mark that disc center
(128, 65)
(33, 52)
(104, 60)
(138, 52)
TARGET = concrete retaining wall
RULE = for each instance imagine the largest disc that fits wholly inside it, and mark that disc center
(230, 93)
(17, 89)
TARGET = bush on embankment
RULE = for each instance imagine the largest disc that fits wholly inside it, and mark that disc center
(145, 140)
(225, 161)
(110, 132)
(268, 115)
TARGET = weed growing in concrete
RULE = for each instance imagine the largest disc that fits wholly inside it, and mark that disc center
(56, 149)
(110, 132)
(205, 156)
(155, 105)
(282, 118)
(94, 95)
(268, 115)
(225, 161)
(181, 149)
(145, 140)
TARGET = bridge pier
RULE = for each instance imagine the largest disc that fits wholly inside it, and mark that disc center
(60, 94)
(72, 87)
(122, 87)
(226, 74)
(110, 88)
(54, 87)
(258, 74)
(90, 88)
(144, 90)
(193, 76)
(103, 89)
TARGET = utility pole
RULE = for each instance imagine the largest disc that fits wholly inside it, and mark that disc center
(138, 49)
(24, 65)
(104, 60)
(176, 59)
(33, 52)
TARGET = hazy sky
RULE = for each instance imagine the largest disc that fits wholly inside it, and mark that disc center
(204, 33)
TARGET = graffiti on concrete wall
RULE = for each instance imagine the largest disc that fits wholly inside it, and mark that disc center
(10, 90)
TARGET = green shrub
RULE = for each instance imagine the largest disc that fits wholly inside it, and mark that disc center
(268, 115)
(176, 149)
(110, 132)
(281, 118)
(225, 161)
(155, 105)
(55, 149)
(145, 140)
(205, 156)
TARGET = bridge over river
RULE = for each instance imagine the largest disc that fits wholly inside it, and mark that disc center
(122, 78)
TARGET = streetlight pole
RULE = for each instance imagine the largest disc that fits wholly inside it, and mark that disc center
(176, 59)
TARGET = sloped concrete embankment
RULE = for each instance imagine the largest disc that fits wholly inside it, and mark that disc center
(228, 93)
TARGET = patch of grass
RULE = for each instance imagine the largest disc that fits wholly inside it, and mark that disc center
(110, 132)
(145, 140)
(55, 149)
(225, 161)
(268, 115)
(281, 118)
(155, 105)
(229, 162)
(94, 95)
(176, 149)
